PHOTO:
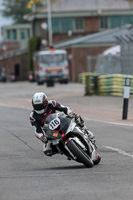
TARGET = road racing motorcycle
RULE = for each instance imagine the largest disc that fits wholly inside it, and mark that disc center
(68, 138)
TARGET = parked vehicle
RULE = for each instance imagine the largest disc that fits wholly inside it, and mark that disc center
(67, 137)
(3, 76)
(52, 66)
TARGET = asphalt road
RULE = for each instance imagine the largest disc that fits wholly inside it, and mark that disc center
(26, 174)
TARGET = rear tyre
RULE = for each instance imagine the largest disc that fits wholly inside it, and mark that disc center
(66, 81)
(81, 156)
(50, 83)
(40, 82)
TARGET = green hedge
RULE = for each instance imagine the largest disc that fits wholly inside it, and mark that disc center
(33, 46)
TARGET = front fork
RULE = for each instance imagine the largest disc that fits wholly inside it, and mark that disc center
(82, 146)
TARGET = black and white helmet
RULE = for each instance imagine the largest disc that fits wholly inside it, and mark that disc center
(39, 102)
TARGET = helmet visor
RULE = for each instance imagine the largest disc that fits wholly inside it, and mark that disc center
(38, 106)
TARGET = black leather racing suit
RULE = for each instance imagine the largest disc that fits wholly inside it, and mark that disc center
(38, 120)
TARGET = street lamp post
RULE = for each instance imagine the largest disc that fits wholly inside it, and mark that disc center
(49, 21)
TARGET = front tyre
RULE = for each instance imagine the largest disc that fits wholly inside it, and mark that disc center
(98, 159)
(78, 152)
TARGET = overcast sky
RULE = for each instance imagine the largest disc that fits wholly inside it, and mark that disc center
(4, 21)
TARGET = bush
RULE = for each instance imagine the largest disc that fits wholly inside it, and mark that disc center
(33, 46)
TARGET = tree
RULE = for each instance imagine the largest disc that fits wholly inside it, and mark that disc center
(34, 2)
(15, 9)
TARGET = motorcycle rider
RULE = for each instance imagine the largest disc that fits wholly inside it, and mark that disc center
(41, 109)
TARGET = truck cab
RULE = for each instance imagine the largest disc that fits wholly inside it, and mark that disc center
(52, 66)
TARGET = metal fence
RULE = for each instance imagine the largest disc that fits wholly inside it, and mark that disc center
(127, 58)
(102, 64)
(113, 64)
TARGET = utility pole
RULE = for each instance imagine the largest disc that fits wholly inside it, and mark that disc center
(49, 22)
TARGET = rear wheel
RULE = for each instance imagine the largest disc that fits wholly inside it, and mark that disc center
(81, 156)
(50, 83)
(40, 82)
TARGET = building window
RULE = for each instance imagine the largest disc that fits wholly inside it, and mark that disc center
(115, 21)
(78, 24)
(56, 25)
(66, 24)
(62, 25)
(128, 19)
(8, 34)
(11, 34)
(14, 35)
(22, 35)
(104, 24)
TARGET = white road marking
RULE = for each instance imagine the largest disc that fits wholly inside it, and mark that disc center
(119, 151)
(114, 123)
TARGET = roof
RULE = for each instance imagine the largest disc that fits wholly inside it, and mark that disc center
(109, 37)
(13, 53)
(84, 7)
(89, 5)
(15, 26)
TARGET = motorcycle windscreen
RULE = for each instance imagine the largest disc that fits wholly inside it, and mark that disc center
(51, 117)
(64, 124)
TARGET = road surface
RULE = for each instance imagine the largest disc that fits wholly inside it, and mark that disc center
(26, 174)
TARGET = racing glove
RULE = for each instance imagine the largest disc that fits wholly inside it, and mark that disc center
(73, 115)
(79, 121)
(44, 139)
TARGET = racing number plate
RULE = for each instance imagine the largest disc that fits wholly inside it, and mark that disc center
(54, 124)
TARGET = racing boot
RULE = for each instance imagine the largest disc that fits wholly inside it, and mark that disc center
(91, 136)
(49, 149)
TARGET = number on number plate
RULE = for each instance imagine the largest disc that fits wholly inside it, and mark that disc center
(54, 124)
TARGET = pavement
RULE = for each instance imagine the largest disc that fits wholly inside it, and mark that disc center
(108, 109)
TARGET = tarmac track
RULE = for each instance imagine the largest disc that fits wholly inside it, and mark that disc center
(26, 174)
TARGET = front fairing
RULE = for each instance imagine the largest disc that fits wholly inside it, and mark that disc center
(52, 135)
(57, 123)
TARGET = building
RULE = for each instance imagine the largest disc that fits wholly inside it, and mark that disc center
(13, 52)
(81, 17)
(80, 48)
(16, 36)
(15, 63)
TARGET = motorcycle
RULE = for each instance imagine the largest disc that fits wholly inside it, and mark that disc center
(67, 138)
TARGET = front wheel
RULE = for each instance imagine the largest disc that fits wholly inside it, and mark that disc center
(79, 153)
(98, 159)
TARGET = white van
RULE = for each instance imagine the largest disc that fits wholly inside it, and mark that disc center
(52, 65)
